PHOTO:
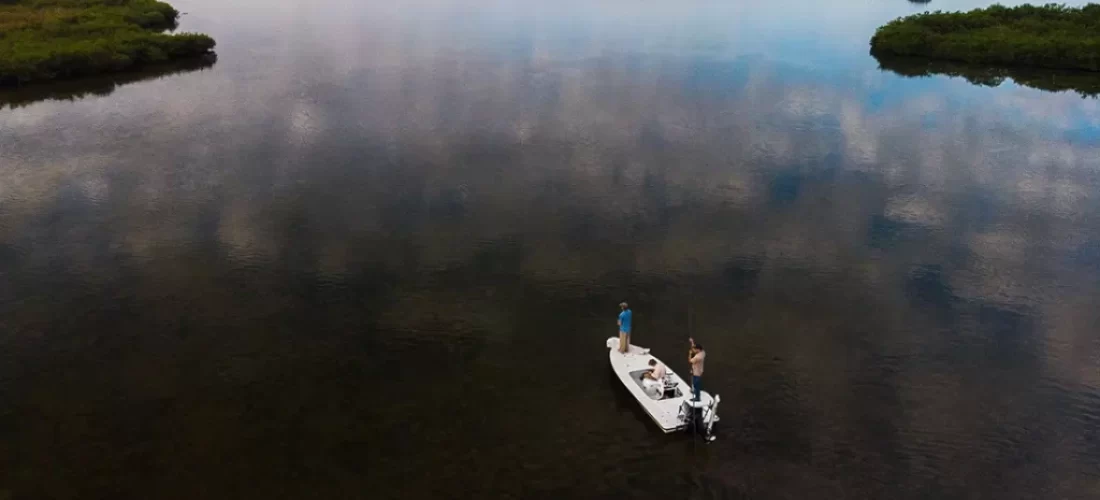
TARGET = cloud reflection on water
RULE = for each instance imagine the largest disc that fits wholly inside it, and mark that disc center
(717, 135)
(950, 223)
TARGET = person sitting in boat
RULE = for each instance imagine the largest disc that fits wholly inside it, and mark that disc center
(657, 371)
(653, 381)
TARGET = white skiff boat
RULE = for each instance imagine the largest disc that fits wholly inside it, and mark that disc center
(671, 405)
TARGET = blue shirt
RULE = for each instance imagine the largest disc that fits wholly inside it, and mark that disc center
(624, 317)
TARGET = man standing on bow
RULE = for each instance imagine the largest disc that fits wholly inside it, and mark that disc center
(624, 328)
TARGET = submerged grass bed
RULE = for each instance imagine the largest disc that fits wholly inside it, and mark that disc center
(1048, 36)
(56, 39)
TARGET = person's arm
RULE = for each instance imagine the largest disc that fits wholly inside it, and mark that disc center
(694, 359)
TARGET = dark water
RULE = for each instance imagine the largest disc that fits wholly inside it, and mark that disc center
(374, 252)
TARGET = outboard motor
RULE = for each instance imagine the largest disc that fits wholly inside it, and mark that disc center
(702, 417)
(710, 416)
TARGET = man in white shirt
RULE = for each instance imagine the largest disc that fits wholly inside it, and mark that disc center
(653, 381)
(656, 372)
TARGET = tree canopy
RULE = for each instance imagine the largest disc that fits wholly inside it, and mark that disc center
(54, 39)
(1048, 36)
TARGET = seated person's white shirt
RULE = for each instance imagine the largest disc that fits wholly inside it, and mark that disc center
(653, 388)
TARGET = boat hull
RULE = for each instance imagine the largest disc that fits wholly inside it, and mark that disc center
(666, 412)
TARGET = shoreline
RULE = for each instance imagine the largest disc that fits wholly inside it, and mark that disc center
(55, 40)
(1027, 36)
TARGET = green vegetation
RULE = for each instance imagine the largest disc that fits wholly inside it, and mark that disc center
(54, 39)
(1086, 84)
(1050, 36)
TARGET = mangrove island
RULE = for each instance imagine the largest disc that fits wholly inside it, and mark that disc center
(1048, 36)
(56, 39)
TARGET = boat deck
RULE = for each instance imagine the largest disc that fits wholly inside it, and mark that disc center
(665, 412)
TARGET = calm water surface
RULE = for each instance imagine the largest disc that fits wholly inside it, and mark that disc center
(374, 252)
